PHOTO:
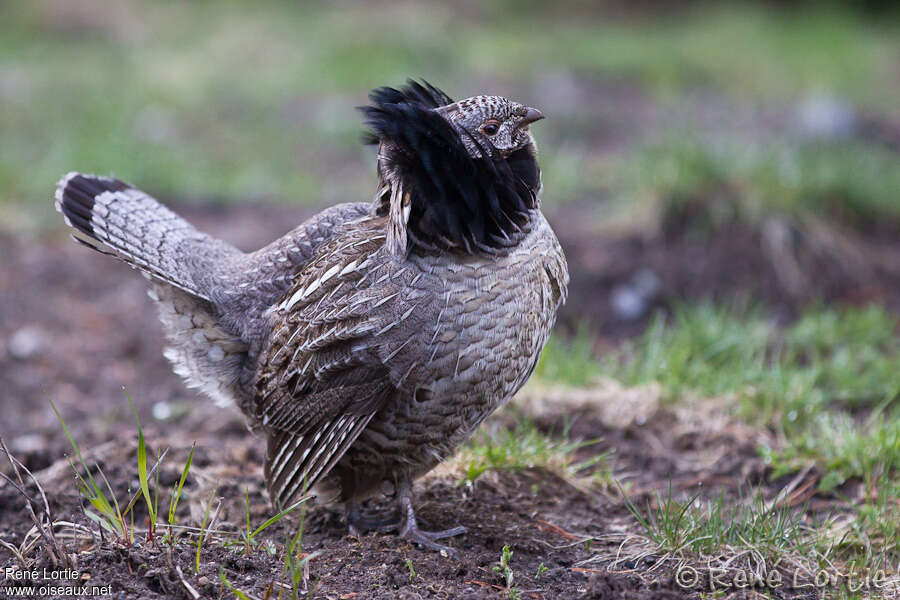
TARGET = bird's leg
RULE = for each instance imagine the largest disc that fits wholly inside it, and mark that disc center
(410, 529)
(360, 523)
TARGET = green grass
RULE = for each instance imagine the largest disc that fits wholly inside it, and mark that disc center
(504, 571)
(501, 448)
(828, 385)
(117, 519)
(748, 531)
(853, 182)
(203, 532)
(874, 536)
(831, 359)
(721, 525)
(803, 382)
(144, 477)
(744, 49)
(296, 562)
(107, 512)
(412, 571)
(176, 496)
(248, 536)
(571, 361)
(260, 105)
(869, 450)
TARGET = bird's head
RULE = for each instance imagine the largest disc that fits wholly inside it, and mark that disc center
(494, 123)
(454, 176)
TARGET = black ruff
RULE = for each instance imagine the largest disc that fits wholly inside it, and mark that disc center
(458, 203)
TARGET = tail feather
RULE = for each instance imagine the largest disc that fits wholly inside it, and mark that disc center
(115, 218)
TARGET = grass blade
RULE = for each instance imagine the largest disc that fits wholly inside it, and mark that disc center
(176, 495)
(142, 467)
(202, 532)
(275, 518)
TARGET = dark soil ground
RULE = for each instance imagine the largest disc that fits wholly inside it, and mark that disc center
(76, 328)
(544, 519)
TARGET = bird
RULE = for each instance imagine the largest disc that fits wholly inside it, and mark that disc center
(370, 341)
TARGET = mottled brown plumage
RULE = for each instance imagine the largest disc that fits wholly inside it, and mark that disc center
(369, 342)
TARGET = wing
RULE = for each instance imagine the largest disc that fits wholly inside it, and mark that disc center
(297, 458)
(327, 368)
(268, 269)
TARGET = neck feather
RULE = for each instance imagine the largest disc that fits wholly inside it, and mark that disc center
(437, 196)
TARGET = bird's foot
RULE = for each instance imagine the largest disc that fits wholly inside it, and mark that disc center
(410, 530)
(360, 523)
(426, 539)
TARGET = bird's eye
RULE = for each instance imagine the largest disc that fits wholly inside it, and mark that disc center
(491, 126)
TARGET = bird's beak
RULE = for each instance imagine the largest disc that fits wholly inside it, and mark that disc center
(531, 115)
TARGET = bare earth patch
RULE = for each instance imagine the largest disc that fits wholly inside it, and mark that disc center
(579, 535)
(569, 538)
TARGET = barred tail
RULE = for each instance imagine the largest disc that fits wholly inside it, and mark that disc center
(114, 218)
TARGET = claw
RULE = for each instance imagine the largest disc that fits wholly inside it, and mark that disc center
(403, 520)
(410, 530)
(445, 533)
(426, 539)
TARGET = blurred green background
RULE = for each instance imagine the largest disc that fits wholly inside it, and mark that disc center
(235, 101)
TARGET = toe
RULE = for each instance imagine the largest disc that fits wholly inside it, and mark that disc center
(446, 533)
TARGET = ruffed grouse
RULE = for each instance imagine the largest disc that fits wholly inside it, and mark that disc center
(370, 341)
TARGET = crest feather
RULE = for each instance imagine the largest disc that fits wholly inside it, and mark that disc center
(457, 202)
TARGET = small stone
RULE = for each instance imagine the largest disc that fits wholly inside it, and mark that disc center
(632, 300)
(162, 410)
(28, 443)
(627, 302)
(824, 116)
(27, 342)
